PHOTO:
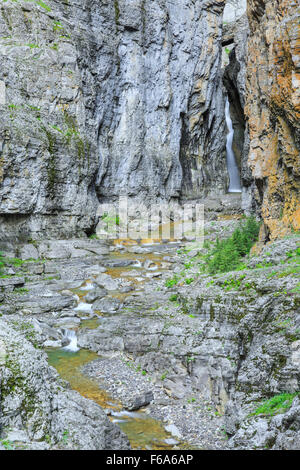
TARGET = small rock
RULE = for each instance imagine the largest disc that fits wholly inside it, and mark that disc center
(67, 292)
(52, 344)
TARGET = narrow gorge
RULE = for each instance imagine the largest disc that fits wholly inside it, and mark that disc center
(178, 333)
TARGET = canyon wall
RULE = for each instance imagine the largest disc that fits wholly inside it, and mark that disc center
(272, 112)
(99, 98)
(161, 132)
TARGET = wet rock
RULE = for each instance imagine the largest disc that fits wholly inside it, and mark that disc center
(171, 428)
(67, 293)
(120, 263)
(67, 322)
(107, 305)
(44, 302)
(48, 331)
(60, 417)
(95, 294)
(52, 344)
(107, 282)
(139, 401)
(148, 264)
(126, 289)
(155, 274)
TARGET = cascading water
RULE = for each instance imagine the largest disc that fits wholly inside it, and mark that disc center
(234, 174)
(70, 335)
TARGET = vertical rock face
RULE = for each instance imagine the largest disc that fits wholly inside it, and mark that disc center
(273, 112)
(161, 133)
(234, 81)
(98, 98)
(47, 144)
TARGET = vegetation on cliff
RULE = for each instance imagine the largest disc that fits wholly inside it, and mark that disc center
(227, 254)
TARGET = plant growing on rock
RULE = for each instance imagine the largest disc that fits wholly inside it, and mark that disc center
(226, 255)
(275, 405)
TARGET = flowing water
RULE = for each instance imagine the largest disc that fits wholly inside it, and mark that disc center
(234, 174)
(70, 336)
(143, 431)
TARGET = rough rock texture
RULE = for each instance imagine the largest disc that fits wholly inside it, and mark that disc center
(98, 98)
(47, 136)
(234, 80)
(37, 411)
(273, 111)
(161, 129)
(234, 341)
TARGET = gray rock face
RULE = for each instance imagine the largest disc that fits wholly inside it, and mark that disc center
(162, 134)
(235, 83)
(233, 338)
(138, 401)
(48, 157)
(99, 98)
(36, 409)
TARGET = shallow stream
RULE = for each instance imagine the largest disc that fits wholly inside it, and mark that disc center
(143, 431)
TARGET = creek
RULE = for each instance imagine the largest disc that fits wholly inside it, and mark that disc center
(142, 431)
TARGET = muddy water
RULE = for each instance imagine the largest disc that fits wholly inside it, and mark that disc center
(143, 431)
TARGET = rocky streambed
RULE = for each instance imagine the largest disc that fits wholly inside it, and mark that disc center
(169, 357)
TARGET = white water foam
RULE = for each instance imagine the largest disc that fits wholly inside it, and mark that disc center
(84, 307)
(71, 336)
(234, 174)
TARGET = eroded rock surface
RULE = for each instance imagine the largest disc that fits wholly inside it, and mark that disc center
(272, 111)
(103, 98)
(38, 411)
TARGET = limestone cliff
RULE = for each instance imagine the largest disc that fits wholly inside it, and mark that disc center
(273, 111)
(99, 98)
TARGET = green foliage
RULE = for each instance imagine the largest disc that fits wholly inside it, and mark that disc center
(20, 290)
(188, 265)
(8, 445)
(275, 405)
(191, 400)
(117, 10)
(173, 298)
(2, 263)
(172, 282)
(226, 255)
(33, 46)
(115, 220)
(66, 435)
(296, 290)
(93, 236)
(233, 283)
(43, 5)
(164, 375)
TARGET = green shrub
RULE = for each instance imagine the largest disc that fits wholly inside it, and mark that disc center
(2, 264)
(172, 282)
(173, 298)
(226, 255)
(275, 405)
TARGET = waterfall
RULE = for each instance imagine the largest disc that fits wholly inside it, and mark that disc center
(70, 335)
(234, 174)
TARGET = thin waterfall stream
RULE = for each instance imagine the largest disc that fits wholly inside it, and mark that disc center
(233, 170)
